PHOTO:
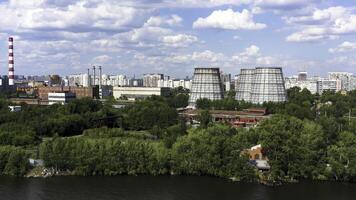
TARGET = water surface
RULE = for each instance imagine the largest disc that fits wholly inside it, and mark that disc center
(165, 188)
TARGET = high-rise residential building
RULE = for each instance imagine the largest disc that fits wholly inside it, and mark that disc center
(226, 81)
(262, 84)
(206, 84)
(151, 80)
(329, 85)
(353, 82)
(309, 84)
(79, 80)
(344, 77)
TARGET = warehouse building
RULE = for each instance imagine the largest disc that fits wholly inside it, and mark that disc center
(133, 93)
(80, 92)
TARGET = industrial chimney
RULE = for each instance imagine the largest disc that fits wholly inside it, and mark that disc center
(94, 76)
(89, 81)
(11, 61)
(100, 76)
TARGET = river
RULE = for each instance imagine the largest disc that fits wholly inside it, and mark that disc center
(165, 188)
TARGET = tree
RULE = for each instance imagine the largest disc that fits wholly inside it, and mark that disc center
(204, 118)
(203, 104)
(281, 136)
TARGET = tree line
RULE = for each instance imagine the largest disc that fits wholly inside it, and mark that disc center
(308, 137)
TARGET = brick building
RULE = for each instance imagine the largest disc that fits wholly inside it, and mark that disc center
(80, 92)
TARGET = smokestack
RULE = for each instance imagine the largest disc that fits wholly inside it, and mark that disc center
(94, 75)
(88, 78)
(100, 77)
(11, 61)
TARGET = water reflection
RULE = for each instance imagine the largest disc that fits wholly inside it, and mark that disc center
(165, 188)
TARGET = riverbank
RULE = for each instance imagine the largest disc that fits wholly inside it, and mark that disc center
(42, 172)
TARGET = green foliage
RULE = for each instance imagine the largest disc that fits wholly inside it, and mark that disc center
(214, 151)
(210, 152)
(104, 132)
(281, 136)
(204, 118)
(13, 161)
(85, 156)
(342, 157)
(144, 115)
(17, 135)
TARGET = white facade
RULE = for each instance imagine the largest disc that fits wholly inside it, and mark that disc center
(311, 85)
(326, 84)
(151, 80)
(187, 84)
(343, 77)
(79, 80)
(60, 97)
(132, 93)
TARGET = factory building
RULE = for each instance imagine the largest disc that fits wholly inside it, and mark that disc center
(60, 97)
(80, 92)
(262, 84)
(133, 93)
(206, 84)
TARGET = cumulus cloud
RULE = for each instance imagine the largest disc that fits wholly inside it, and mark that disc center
(344, 47)
(249, 55)
(179, 40)
(173, 20)
(282, 4)
(323, 24)
(230, 20)
(79, 17)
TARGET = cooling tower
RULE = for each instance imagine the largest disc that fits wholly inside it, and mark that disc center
(244, 84)
(206, 84)
(263, 84)
(268, 85)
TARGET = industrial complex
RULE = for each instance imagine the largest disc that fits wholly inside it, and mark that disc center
(254, 85)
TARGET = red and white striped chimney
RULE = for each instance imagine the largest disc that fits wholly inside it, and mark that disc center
(11, 61)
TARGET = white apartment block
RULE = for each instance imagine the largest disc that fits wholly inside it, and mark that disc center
(187, 84)
(311, 85)
(344, 77)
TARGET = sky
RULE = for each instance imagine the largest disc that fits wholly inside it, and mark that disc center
(134, 37)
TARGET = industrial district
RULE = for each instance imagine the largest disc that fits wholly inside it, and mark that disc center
(255, 86)
(259, 85)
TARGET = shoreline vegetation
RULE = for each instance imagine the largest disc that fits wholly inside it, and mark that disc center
(309, 137)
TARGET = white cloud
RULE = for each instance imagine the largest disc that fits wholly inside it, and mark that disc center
(228, 19)
(78, 17)
(312, 34)
(249, 55)
(180, 40)
(102, 59)
(323, 24)
(173, 20)
(344, 47)
(236, 37)
(282, 4)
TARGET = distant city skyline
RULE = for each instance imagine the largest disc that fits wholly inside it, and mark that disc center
(134, 37)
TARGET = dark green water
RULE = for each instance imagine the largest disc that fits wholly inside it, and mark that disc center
(165, 188)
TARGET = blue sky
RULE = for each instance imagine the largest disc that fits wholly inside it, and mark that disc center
(139, 36)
